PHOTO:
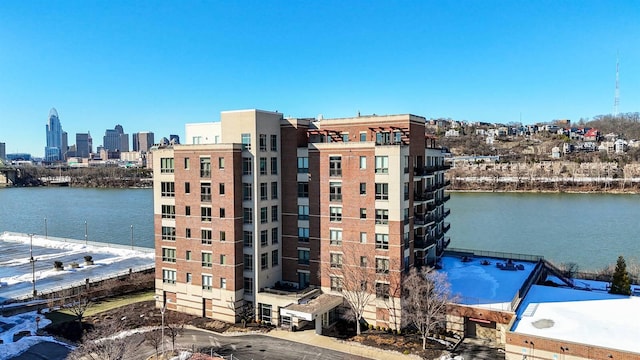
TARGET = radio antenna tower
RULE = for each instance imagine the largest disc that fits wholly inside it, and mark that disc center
(616, 100)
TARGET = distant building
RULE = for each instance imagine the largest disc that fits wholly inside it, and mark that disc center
(19, 157)
(174, 139)
(84, 145)
(115, 139)
(3, 151)
(202, 133)
(53, 150)
(142, 141)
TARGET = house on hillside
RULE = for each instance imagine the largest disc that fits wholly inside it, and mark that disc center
(592, 135)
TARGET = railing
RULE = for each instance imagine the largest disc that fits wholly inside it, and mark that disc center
(493, 254)
(446, 212)
(423, 243)
(446, 227)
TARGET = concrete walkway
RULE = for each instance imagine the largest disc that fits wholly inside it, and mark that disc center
(311, 338)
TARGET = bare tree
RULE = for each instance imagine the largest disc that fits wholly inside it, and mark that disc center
(426, 294)
(105, 343)
(79, 303)
(353, 274)
(174, 324)
(154, 338)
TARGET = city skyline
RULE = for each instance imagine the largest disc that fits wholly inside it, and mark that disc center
(155, 66)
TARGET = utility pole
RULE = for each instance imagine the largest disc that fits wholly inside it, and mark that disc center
(86, 235)
(33, 265)
(131, 237)
(45, 228)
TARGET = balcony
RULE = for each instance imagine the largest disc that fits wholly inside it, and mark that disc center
(446, 227)
(423, 243)
(446, 213)
(419, 171)
(423, 196)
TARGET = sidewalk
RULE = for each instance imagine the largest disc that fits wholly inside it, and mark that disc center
(311, 338)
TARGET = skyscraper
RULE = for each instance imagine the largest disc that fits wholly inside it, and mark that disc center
(116, 140)
(53, 150)
(3, 151)
(84, 145)
(142, 141)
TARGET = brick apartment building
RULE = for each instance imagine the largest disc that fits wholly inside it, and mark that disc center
(264, 211)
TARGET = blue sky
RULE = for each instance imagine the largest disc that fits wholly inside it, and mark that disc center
(156, 65)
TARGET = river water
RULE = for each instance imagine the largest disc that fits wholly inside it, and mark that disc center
(591, 230)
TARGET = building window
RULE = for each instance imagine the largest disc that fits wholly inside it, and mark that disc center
(303, 234)
(265, 313)
(166, 166)
(303, 165)
(247, 237)
(363, 213)
(335, 260)
(187, 188)
(223, 236)
(222, 213)
(205, 192)
(303, 256)
(187, 233)
(274, 190)
(274, 213)
(262, 139)
(274, 236)
(335, 166)
(168, 276)
(168, 233)
(363, 136)
(382, 191)
(406, 191)
(188, 278)
(382, 216)
(167, 189)
(187, 163)
(248, 285)
(274, 258)
(382, 266)
(274, 142)
(221, 163)
(187, 255)
(264, 261)
(205, 236)
(263, 191)
(382, 241)
(205, 167)
(336, 283)
(246, 166)
(335, 237)
(223, 259)
(263, 215)
(246, 141)
(263, 166)
(335, 191)
(382, 290)
(168, 211)
(303, 212)
(207, 282)
(247, 190)
(364, 262)
(405, 164)
(247, 215)
(223, 283)
(363, 188)
(345, 137)
(264, 237)
(363, 237)
(205, 214)
(207, 259)
(405, 214)
(248, 262)
(168, 255)
(335, 213)
(303, 190)
(187, 210)
(303, 279)
(221, 188)
(363, 162)
(274, 166)
(382, 164)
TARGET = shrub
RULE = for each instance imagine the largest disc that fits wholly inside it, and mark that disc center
(378, 327)
(406, 352)
(88, 258)
(57, 264)
(370, 326)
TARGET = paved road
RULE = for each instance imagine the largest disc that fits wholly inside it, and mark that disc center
(477, 349)
(243, 347)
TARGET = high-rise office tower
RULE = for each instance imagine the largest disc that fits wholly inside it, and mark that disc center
(84, 145)
(3, 151)
(53, 150)
(116, 140)
(142, 141)
(274, 216)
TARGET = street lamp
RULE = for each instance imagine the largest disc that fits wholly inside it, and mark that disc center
(45, 227)
(33, 264)
(131, 237)
(162, 311)
(85, 232)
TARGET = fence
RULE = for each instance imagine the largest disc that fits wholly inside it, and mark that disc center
(492, 254)
(82, 242)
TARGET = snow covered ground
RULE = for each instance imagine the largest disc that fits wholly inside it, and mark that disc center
(588, 317)
(484, 285)
(25, 322)
(15, 267)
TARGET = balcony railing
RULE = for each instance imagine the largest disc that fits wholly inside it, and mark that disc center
(446, 212)
(423, 243)
(446, 227)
